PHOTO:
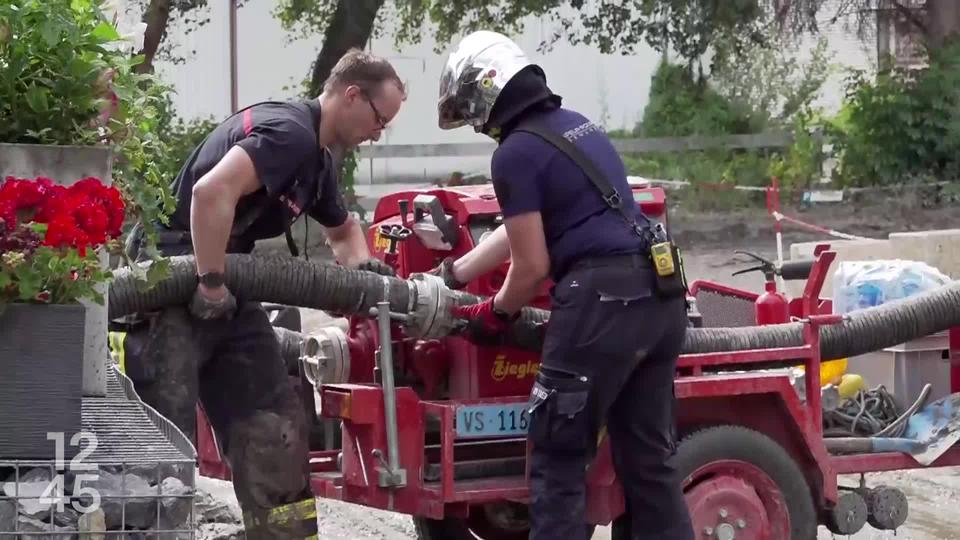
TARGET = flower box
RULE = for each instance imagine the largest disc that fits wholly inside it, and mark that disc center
(65, 164)
(41, 378)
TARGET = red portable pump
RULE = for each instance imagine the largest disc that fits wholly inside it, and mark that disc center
(433, 426)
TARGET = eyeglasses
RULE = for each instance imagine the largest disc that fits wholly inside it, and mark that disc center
(376, 113)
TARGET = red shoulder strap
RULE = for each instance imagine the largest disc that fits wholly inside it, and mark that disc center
(247, 121)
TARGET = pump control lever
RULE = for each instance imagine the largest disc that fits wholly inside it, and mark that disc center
(394, 235)
(789, 270)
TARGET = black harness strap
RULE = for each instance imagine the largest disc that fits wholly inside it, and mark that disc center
(599, 180)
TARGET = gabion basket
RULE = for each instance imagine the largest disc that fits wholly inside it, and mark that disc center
(134, 477)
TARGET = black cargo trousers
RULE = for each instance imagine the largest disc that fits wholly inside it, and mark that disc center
(609, 358)
(235, 368)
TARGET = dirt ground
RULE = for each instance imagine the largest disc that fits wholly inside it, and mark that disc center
(710, 240)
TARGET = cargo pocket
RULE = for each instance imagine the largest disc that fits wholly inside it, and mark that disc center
(559, 418)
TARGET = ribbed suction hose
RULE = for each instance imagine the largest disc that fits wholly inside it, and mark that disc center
(334, 288)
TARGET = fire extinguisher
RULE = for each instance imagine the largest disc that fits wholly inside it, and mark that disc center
(772, 307)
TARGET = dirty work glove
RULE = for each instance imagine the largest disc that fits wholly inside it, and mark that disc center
(481, 324)
(205, 308)
(445, 272)
(374, 264)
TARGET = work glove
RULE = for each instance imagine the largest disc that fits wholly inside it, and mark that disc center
(480, 324)
(205, 308)
(445, 272)
(374, 264)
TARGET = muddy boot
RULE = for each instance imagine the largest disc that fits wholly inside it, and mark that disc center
(262, 426)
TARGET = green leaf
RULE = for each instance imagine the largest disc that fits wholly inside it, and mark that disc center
(37, 99)
(50, 31)
(106, 32)
(80, 6)
(157, 272)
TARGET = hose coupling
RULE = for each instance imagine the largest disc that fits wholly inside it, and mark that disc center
(430, 316)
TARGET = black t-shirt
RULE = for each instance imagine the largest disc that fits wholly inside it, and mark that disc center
(297, 175)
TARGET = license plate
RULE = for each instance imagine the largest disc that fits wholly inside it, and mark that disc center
(492, 420)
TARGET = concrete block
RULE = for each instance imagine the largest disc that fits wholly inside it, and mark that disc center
(67, 164)
(939, 248)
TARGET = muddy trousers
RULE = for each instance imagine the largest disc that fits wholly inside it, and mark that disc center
(236, 371)
(608, 365)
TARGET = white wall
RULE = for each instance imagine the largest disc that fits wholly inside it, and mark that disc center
(267, 62)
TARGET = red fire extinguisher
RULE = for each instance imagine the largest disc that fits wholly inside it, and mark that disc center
(772, 307)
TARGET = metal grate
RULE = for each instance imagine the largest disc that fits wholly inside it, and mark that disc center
(724, 310)
(168, 429)
(115, 384)
(125, 434)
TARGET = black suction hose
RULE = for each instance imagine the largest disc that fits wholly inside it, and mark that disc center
(280, 280)
(329, 287)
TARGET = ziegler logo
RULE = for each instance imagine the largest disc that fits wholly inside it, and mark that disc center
(502, 368)
(379, 242)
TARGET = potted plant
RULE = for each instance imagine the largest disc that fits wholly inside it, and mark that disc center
(51, 239)
(73, 104)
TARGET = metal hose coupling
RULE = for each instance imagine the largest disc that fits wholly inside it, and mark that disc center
(430, 314)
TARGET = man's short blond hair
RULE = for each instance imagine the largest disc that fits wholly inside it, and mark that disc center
(364, 70)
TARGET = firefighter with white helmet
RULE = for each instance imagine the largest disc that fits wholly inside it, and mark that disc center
(618, 315)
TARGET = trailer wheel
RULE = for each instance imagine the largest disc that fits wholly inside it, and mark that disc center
(493, 521)
(740, 483)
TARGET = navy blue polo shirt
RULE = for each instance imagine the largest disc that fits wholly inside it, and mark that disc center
(297, 174)
(530, 175)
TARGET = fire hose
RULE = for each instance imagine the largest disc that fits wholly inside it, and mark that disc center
(423, 303)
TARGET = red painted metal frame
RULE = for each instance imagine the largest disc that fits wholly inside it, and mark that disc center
(605, 500)
(721, 288)
(807, 417)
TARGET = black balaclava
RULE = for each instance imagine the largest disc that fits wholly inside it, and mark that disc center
(526, 93)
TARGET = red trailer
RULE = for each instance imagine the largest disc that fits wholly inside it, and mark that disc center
(436, 428)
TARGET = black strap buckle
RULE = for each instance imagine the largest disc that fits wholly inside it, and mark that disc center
(613, 200)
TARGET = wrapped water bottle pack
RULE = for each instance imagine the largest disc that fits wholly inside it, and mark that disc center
(863, 284)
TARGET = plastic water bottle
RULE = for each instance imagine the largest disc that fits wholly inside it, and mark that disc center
(868, 295)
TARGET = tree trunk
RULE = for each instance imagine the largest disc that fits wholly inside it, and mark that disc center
(351, 26)
(943, 21)
(156, 16)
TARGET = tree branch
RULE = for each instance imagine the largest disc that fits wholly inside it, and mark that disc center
(351, 26)
(910, 15)
(156, 16)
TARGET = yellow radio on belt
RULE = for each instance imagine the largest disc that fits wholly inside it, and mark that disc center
(670, 280)
(662, 255)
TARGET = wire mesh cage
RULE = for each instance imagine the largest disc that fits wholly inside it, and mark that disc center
(720, 308)
(120, 501)
(133, 477)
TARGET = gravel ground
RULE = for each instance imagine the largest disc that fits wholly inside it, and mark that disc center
(932, 493)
